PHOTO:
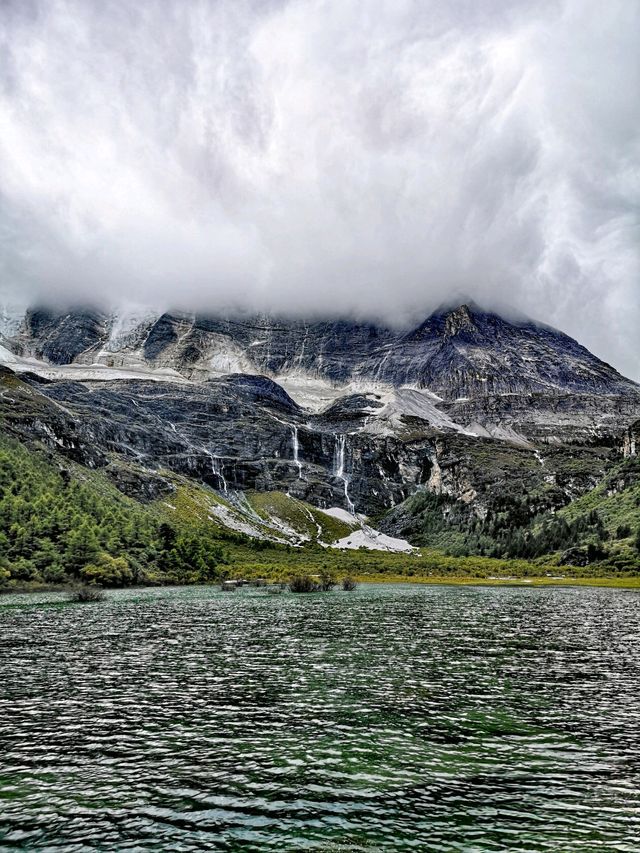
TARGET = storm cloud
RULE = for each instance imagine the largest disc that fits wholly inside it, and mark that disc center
(340, 157)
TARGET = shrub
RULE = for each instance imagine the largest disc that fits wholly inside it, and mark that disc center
(327, 579)
(86, 593)
(348, 584)
(623, 531)
(302, 583)
(54, 574)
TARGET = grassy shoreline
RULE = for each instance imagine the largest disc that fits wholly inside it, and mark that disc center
(448, 580)
(444, 580)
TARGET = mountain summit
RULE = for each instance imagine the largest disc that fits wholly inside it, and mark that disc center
(459, 352)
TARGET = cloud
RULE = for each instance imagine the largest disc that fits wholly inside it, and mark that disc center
(326, 157)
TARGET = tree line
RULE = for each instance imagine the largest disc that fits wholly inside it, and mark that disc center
(56, 528)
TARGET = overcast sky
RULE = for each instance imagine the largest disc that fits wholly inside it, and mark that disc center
(368, 157)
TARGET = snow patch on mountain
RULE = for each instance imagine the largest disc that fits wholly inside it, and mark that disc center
(312, 393)
(342, 515)
(224, 356)
(85, 372)
(7, 358)
(502, 433)
(11, 319)
(408, 401)
(130, 328)
(374, 540)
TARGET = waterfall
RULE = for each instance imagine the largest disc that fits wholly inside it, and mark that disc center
(296, 450)
(217, 470)
(295, 443)
(338, 469)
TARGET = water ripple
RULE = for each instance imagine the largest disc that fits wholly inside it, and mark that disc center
(394, 718)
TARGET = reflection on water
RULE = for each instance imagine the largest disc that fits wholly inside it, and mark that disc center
(392, 718)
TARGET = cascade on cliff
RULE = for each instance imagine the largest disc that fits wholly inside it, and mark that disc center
(296, 451)
(339, 469)
(218, 471)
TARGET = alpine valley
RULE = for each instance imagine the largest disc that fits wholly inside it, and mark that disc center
(448, 448)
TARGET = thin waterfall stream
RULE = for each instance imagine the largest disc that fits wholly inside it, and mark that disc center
(339, 469)
(296, 450)
(218, 471)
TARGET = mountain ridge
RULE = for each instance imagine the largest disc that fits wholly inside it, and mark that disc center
(462, 352)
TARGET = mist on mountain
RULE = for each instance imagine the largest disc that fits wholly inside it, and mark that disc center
(292, 158)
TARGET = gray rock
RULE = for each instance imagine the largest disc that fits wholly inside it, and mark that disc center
(540, 415)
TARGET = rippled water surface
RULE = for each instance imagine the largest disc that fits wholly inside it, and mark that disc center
(393, 718)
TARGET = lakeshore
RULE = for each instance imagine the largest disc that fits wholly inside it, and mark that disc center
(363, 580)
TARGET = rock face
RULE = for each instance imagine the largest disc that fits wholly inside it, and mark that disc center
(467, 406)
(60, 339)
(463, 352)
(631, 441)
(236, 432)
(469, 353)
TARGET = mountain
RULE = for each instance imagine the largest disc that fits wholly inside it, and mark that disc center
(486, 414)
(463, 369)
(461, 352)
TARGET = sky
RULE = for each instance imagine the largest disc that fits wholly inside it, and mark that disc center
(364, 158)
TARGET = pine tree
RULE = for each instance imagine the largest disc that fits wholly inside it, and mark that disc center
(82, 547)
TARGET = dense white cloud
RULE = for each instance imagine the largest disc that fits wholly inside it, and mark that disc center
(344, 156)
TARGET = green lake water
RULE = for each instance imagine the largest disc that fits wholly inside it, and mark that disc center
(403, 718)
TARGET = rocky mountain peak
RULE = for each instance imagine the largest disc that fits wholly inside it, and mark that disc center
(458, 319)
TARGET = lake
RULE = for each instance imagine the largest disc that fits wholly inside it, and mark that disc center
(404, 718)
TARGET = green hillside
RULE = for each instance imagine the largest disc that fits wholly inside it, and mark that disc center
(599, 529)
(62, 522)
